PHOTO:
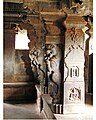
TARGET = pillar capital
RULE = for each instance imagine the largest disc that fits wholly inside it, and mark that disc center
(76, 21)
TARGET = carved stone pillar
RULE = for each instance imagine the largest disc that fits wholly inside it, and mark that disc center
(74, 65)
(54, 55)
(34, 27)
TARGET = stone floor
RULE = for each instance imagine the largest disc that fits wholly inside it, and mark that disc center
(87, 115)
(21, 111)
(29, 111)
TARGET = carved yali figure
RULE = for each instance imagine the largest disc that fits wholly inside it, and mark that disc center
(52, 59)
(34, 55)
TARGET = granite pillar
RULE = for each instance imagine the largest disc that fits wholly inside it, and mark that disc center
(74, 87)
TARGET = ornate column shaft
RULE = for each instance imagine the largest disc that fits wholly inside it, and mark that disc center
(74, 65)
(54, 55)
(36, 46)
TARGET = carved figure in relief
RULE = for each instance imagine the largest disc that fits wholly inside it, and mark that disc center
(77, 6)
(52, 59)
(74, 94)
(50, 56)
(73, 34)
(34, 54)
(35, 64)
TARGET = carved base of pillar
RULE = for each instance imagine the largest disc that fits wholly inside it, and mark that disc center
(73, 97)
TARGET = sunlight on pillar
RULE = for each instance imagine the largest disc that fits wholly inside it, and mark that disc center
(21, 40)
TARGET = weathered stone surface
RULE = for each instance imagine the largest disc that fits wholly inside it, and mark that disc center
(9, 55)
(74, 66)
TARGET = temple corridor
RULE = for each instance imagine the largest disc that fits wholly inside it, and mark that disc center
(48, 59)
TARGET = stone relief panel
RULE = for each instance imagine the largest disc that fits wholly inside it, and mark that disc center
(74, 94)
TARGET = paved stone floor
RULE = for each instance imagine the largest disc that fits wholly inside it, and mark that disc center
(87, 115)
(29, 111)
(21, 111)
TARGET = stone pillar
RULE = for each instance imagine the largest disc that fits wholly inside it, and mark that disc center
(36, 45)
(74, 91)
(54, 55)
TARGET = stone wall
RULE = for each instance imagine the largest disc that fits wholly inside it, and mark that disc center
(9, 55)
(18, 79)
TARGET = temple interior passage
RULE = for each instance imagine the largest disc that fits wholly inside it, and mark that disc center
(48, 59)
